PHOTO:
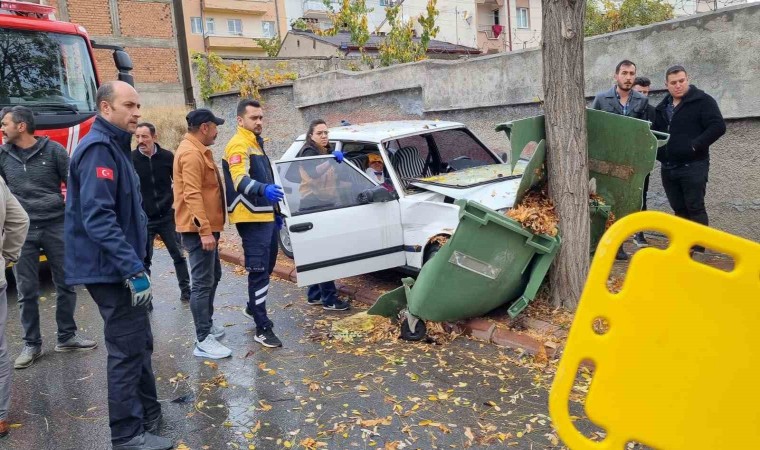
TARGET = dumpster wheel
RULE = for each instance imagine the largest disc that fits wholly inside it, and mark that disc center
(412, 328)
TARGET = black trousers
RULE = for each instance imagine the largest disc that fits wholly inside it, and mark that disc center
(132, 397)
(166, 229)
(685, 186)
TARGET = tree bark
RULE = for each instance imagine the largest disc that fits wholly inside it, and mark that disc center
(567, 158)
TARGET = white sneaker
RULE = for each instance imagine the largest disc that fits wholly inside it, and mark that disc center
(217, 331)
(211, 348)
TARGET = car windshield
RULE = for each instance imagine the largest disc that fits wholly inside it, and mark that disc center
(46, 71)
(321, 183)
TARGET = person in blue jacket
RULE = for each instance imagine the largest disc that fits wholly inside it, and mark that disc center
(106, 236)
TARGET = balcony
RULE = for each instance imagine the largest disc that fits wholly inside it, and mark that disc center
(316, 9)
(232, 41)
(491, 31)
(252, 7)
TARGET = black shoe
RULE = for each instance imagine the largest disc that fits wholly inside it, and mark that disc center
(622, 255)
(267, 338)
(184, 298)
(247, 313)
(146, 441)
(336, 305)
(640, 240)
(313, 301)
(152, 425)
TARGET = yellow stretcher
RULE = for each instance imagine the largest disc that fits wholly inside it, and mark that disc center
(678, 365)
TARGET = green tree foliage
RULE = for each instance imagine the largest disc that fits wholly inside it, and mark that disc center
(606, 16)
(351, 17)
(271, 45)
(399, 45)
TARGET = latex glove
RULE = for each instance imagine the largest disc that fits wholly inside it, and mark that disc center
(278, 222)
(273, 193)
(338, 155)
(139, 285)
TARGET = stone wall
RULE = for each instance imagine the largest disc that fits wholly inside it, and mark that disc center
(718, 49)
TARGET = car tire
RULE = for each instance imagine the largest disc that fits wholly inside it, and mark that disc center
(430, 251)
(417, 334)
(283, 236)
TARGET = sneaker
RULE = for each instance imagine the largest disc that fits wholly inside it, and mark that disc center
(336, 305)
(640, 240)
(622, 255)
(217, 331)
(76, 343)
(146, 441)
(27, 357)
(313, 301)
(267, 338)
(247, 313)
(211, 348)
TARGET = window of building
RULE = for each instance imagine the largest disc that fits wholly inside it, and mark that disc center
(495, 16)
(267, 28)
(196, 25)
(210, 26)
(522, 18)
(235, 26)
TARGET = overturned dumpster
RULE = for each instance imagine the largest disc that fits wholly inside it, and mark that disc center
(492, 260)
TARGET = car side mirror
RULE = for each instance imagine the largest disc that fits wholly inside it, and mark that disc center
(377, 194)
(122, 61)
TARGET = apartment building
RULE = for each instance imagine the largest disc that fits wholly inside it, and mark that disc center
(230, 27)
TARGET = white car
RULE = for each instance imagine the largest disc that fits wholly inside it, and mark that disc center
(366, 226)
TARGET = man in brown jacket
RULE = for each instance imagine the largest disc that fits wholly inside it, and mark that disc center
(199, 207)
(14, 224)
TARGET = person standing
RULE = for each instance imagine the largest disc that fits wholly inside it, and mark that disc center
(106, 236)
(34, 168)
(199, 215)
(318, 182)
(14, 224)
(252, 198)
(154, 167)
(694, 122)
(623, 100)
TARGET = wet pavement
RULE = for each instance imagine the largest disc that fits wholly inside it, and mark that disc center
(313, 393)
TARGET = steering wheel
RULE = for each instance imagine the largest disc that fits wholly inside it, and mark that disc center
(451, 168)
(459, 158)
(45, 91)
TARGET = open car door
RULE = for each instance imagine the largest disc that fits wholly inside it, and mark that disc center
(340, 223)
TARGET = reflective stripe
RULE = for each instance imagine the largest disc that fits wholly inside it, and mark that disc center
(261, 300)
(261, 291)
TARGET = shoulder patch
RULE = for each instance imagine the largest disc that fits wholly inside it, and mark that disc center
(236, 159)
(104, 172)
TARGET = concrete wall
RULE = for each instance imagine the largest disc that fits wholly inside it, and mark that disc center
(718, 49)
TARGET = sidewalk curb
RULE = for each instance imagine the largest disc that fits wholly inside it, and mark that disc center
(479, 328)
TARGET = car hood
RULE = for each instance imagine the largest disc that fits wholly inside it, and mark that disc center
(496, 192)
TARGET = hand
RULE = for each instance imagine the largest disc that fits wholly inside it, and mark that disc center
(208, 243)
(278, 221)
(338, 155)
(139, 285)
(273, 193)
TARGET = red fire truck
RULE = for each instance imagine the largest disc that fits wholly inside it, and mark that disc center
(49, 67)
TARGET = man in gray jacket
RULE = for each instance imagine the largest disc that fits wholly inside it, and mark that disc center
(13, 227)
(34, 168)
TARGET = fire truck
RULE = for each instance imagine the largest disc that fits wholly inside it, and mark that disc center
(49, 67)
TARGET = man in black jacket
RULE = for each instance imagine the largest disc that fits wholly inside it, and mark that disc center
(694, 122)
(34, 169)
(154, 166)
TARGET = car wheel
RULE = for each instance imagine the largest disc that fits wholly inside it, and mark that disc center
(430, 251)
(284, 237)
(418, 334)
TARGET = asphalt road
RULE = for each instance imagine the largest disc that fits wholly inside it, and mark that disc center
(313, 393)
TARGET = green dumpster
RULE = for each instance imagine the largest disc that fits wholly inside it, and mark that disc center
(490, 260)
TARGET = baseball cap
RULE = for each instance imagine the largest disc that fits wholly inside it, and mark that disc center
(200, 116)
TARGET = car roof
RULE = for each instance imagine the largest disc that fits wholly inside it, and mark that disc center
(378, 132)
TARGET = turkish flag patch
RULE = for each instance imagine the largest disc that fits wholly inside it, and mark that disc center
(104, 172)
(235, 159)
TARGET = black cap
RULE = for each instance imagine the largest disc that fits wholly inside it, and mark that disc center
(200, 116)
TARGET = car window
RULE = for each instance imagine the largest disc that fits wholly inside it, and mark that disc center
(410, 157)
(453, 144)
(320, 183)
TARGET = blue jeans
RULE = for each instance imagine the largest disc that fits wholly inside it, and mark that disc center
(327, 292)
(206, 271)
(260, 251)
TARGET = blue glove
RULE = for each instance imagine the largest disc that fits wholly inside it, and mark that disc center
(338, 155)
(139, 285)
(278, 222)
(273, 193)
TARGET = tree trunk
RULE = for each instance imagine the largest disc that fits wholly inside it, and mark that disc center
(567, 159)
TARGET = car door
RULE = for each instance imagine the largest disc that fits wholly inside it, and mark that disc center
(336, 229)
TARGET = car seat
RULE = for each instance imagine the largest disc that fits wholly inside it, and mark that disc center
(409, 164)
